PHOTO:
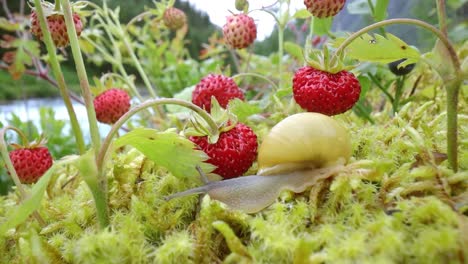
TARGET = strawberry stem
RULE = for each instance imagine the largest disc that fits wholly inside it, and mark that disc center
(11, 169)
(81, 70)
(55, 65)
(239, 75)
(452, 88)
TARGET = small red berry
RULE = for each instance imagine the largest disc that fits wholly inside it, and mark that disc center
(240, 31)
(111, 105)
(324, 92)
(31, 163)
(233, 153)
(221, 87)
(57, 28)
(174, 18)
(324, 8)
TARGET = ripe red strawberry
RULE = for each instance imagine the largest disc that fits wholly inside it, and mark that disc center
(233, 153)
(111, 105)
(221, 87)
(174, 18)
(324, 8)
(31, 163)
(240, 31)
(325, 92)
(57, 28)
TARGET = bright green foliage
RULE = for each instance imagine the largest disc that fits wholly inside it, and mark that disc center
(164, 148)
(22, 58)
(377, 48)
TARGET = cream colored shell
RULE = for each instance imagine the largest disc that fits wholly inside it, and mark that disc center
(301, 141)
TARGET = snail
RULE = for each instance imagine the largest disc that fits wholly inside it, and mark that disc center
(298, 151)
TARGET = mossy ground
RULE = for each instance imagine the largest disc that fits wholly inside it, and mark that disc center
(399, 205)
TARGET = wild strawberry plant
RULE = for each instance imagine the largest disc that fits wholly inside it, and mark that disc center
(210, 125)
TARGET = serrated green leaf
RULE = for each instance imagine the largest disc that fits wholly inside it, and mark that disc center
(322, 25)
(295, 50)
(24, 50)
(381, 49)
(380, 10)
(32, 203)
(302, 14)
(167, 149)
(243, 109)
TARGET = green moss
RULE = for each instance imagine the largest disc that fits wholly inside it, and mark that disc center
(395, 204)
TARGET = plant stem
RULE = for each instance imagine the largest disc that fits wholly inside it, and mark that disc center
(11, 169)
(154, 102)
(441, 14)
(59, 77)
(275, 87)
(452, 126)
(280, 54)
(81, 70)
(452, 88)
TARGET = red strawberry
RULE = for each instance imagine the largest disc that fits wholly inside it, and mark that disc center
(325, 92)
(324, 8)
(111, 105)
(57, 28)
(221, 87)
(174, 18)
(233, 153)
(240, 31)
(31, 163)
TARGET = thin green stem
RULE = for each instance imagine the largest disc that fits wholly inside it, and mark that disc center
(280, 54)
(11, 169)
(398, 92)
(452, 123)
(273, 84)
(379, 85)
(150, 103)
(442, 17)
(55, 65)
(81, 70)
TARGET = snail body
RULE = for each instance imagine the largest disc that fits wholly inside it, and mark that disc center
(299, 151)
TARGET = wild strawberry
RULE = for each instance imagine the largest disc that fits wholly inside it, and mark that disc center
(111, 105)
(174, 18)
(240, 31)
(325, 92)
(31, 163)
(324, 8)
(233, 153)
(221, 87)
(57, 28)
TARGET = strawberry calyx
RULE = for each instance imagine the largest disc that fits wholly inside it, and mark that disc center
(224, 119)
(320, 60)
(51, 9)
(37, 143)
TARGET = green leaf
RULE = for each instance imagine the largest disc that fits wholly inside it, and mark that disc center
(377, 48)
(322, 25)
(32, 203)
(243, 109)
(24, 50)
(185, 94)
(295, 50)
(302, 14)
(380, 10)
(167, 149)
